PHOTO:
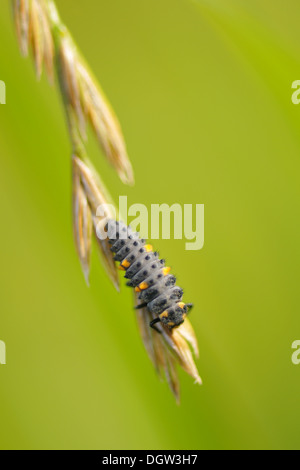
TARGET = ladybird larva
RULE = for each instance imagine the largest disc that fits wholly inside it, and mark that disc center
(148, 275)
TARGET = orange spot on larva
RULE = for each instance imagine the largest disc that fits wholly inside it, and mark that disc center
(164, 314)
(125, 264)
(143, 286)
(166, 271)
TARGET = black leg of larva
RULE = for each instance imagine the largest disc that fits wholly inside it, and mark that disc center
(138, 307)
(152, 323)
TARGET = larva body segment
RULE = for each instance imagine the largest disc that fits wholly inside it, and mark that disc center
(148, 275)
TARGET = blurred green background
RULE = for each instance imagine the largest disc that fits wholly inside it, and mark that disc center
(203, 92)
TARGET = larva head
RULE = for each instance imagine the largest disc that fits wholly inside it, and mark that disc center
(175, 315)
